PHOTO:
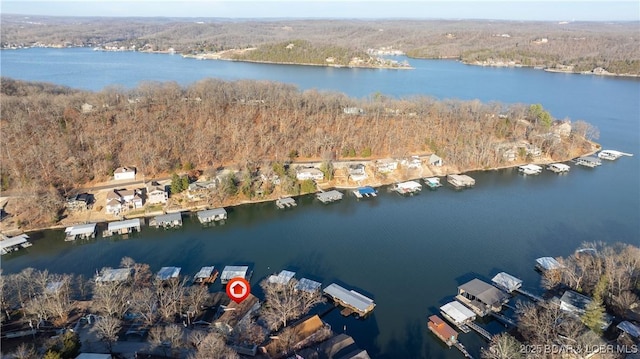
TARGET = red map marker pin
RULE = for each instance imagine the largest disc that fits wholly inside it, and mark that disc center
(238, 289)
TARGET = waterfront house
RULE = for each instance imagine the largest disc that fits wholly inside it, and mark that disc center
(510, 155)
(124, 173)
(630, 329)
(353, 111)
(157, 195)
(80, 231)
(357, 172)
(80, 201)
(412, 163)
(230, 272)
(303, 174)
(386, 165)
(435, 160)
(481, 297)
(113, 206)
(200, 189)
(576, 304)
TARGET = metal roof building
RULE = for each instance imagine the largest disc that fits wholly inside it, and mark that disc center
(547, 263)
(167, 220)
(506, 282)
(216, 214)
(329, 196)
(8, 244)
(81, 230)
(230, 272)
(481, 297)
(114, 275)
(350, 299)
(457, 312)
(308, 285)
(282, 278)
(166, 273)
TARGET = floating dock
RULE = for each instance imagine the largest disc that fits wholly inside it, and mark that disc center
(206, 275)
(432, 182)
(212, 215)
(308, 285)
(286, 202)
(122, 227)
(530, 169)
(461, 181)
(363, 192)
(612, 155)
(169, 220)
(544, 264)
(409, 187)
(80, 231)
(506, 282)
(230, 272)
(350, 299)
(442, 330)
(329, 196)
(458, 314)
(558, 168)
(589, 161)
(166, 273)
(10, 244)
(481, 297)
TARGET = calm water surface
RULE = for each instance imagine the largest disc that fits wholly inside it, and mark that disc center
(409, 254)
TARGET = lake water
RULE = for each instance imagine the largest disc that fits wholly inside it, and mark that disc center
(409, 254)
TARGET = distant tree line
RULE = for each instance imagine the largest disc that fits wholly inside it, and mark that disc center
(51, 144)
(302, 52)
(584, 45)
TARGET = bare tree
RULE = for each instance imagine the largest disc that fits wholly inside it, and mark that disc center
(168, 338)
(144, 302)
(112, 298)
(284, 302)
(107, 328)
(212, 346)
(503, 346)
(25, 351)
(195, 298)
(170, 294)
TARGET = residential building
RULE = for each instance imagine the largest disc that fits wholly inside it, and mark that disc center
(124, 173)
(309, 174)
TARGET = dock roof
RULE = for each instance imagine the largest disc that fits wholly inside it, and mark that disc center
(506, 281)
(212, 213)
(234, 271)
(332, 195)
(366, 190)
(442, 329)
(409, 185)
(116, 226)
(458, 312)
(205, 272)
(548, 263)
(114, 275)
(81, 229)
(308, 285)
(485, 292)
(282, 278)
(287, 200)
(350, 297)
(13, 241)
(168, 272)
(169, 218)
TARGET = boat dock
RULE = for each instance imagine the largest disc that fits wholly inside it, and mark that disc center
(504, 319)
(166, 273)
(409, 187)
(432, 182)
(365, 192)
(442, 330)
(481, 297)
(212, 215)
(612, 155)
(351, 300)
(530, 169)
(506, 282)
(462, 350)
(230, 272)
(558, 168)
(480, 330)
(10, 244)
(169, 220)
(122, 227)
(589, 161)
(329, 196)
(206, 275)
(286, 202)
(458, 314)
(80, 231)
(461, 181)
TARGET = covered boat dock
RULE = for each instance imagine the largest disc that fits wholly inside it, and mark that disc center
(206, 275)
(589, 161)
(286, 202)
(212, 215)
(168, 220)
(166, 273)
(353, 301)
(123, 227)
(408, 187)
(8, 245)
(365, 192)
(544, 264)
(461, 181)
(458, 314)
(308, 285)
(481, 297)
(329, 196)
(80, 231)
(558, 167)
(506, 282)
(230, 272)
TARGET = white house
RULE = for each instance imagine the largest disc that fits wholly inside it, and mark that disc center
(435, 160)
(157, 195)
(113, 206)
(303, 174)
(124, 173)
(357, 172)
(386, 165)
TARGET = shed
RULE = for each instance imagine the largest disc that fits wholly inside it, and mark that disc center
(457, 312)
(350, 299)
(83, 231)
(211, 215)
(282, 278)
(506, 282)
(166, 273)
(230, 272)
(308, 285)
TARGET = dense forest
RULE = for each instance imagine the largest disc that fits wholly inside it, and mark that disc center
(581, 45)
(56, 138)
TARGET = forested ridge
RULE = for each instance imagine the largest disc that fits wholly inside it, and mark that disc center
(582, 46)
(56, 138)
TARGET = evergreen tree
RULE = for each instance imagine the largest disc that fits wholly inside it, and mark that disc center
(176, 184)
(593, 316)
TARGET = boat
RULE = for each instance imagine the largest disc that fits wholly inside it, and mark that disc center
(530, 169)
(432, 182)
(558, 167)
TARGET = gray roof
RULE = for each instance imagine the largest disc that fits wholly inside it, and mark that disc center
(485, 292)
(506, 281)
(13, 241)
(114, 275)
(205, 272)
(168, 273)
(282, 278)
(233, 272)
(458, 312)
(573, 301)
(329, 195)
(629, 328)
(115, 226)
(353, 298)
(548, 263)
(308, 285)
(169, 218)
(286, 200)
(212, 212)
(81, 229)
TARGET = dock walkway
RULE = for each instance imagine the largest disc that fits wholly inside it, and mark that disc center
(462, 350)
(529, 294)
(480, 330)
(286, 202)
(504, 319)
